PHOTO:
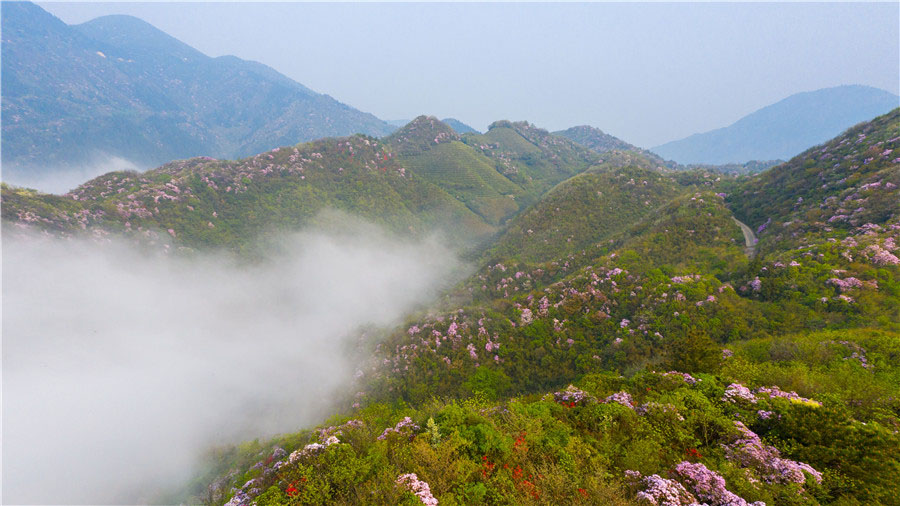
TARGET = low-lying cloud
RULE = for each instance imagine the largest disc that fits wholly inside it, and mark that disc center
(120, 367)
(59, 180)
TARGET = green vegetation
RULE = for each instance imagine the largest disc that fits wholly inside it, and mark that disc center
(575, 446)
(771, 378)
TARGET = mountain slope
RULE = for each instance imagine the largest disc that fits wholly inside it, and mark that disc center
(596, 139)
(203, 202)
(117, 86)
(432, 149)
(583, 211)
(530, 156)
(849, 181)
(784, 129)
(460, 127)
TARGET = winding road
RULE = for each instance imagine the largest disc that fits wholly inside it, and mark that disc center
(749, 237)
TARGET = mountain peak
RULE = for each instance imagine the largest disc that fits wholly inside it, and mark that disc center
(596, 139)
(421, 133)
(135, 34)
(127, 90)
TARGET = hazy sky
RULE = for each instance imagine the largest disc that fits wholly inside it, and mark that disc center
(648, 73)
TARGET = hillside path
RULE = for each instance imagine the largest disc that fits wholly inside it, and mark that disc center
(749, 237)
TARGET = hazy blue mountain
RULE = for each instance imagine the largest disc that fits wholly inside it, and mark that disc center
(117, 86)
(784, 129)
(459, 127)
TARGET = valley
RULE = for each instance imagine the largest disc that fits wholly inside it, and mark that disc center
(225, 287)
(594, 274)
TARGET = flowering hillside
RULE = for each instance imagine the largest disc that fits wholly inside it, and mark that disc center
(585, 210)
(419, 179)
(783, 371)
(619, 342)
(204, 202)
(673, 438)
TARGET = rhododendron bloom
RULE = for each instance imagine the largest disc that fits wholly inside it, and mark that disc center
(736, 391)
(418, 487)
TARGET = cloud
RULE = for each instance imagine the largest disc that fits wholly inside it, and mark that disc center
(63, 179)
(121, 366)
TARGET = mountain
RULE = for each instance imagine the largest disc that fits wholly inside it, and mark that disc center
(601, 142)
(530, 156)
(476, 169)
(204, 202)
(457, 126)
(583, 211)
(596, 139)
(420, 178)
(460, 127)
(616, 342)
(617, 150)
(118, 87)
(548, 369)
(784, 129)
(433, 150)
(851, 180)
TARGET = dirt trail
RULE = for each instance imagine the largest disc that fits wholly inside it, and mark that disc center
(749, 237)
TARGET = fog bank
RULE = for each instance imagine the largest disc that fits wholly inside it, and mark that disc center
(119, 367)
(60, 180)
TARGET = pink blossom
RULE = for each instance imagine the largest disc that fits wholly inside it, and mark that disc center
(749, 451)
(417, 486)
(690, 380)
(756, 284)
(404, 425)
(735, 392)
(880, 256)
(708, 485)
(526, 317)
(623, 398)
(659, 491)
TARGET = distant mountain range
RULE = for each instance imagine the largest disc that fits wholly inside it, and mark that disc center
(618, 152)
(784, 129)
(118, 87)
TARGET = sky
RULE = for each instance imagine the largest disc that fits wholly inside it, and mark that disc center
(648, 73)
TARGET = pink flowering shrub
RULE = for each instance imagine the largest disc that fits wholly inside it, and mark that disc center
(690, 380)
(404, 426)
(736, 392)
(708, 486)
(526, 317)
(657, 491)
(412, 483)
(623, 398)
(749, 451)
(572, 395)
(775, 392)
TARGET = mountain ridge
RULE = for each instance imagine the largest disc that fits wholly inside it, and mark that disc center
(124, 88)
(545, 367)
(783, 129)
